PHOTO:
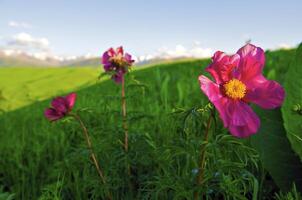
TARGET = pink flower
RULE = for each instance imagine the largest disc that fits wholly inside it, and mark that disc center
(60, 107)
(116, 62)
(238, 82)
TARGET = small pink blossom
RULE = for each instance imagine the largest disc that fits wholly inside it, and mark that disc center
(238, 82)
(60, 107)
(116, 62)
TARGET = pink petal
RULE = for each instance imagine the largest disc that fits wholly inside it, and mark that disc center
(210, 88)
(107, 55)
(222, 105)
(70, 100)
(236, 115)
(120, 51)
(111, 52)
(222, 66)
(267, 94)
(251, 63)
(108, 67)
(243, 120)
(248, 69)
(212, 91)
(241, 131)
(250, 50)
(52, 115)
(128, 58)
(105, 58)
(59, 104)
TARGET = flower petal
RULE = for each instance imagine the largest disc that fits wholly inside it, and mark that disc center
(107, 55)
(70, 100)
(108, 67)
(111, 52)
(212, 91)
(210, 88)
(59, 104)
(105, 58)
(236, 115)
(120, 51)
(52, 115)
(251, 63)
(243, 120)
(250, 50)
(267, 94)
(128, 58)
(222, 66)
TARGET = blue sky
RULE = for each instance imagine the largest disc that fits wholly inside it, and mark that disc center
(142, 27)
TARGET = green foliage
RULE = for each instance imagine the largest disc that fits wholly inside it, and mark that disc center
(6, 195)
(164, 148)
(291, 195)
(36, 156)
(52, 191)
(229, 163)
(277, 63)
(51, 161)
(275, 150)
(290, 110)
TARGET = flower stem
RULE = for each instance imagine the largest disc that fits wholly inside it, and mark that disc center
(93, 156)
(201, 167)
(125, 126)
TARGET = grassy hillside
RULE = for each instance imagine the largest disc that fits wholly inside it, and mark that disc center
(50, 161)
(22, 86)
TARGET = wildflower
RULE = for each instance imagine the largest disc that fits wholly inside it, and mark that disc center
(238, 82)
(60, 107)
(116, 62)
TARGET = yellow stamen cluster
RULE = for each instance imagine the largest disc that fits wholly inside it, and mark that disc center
(235, 89)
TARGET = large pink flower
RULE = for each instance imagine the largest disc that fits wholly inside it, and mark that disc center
(239, 81)
(116, 62)
(60, 107)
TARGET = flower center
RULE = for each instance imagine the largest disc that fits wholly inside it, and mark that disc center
(235, 89)
(119, 61)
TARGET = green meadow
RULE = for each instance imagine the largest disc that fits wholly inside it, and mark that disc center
(167, 114)
(22, 86)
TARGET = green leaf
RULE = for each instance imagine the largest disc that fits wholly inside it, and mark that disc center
(292, 117)
(275, 150)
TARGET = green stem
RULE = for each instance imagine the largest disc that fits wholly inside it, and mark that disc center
(201, 167)
(124, 112)
(93, 156)
(125, 127)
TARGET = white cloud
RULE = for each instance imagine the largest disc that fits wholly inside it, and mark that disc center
(35, 47)
(19, 24)
(26, 44)
(11, 52)
(25, 40)
(39, 55)
(90, 55)
(180, 51)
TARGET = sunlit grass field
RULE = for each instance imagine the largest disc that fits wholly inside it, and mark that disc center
(42, 160)
(22, 86)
